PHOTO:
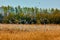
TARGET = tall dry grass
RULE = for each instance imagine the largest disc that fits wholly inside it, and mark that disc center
(52, 32)
(36, 35)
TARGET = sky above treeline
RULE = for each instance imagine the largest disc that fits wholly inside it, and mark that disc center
(32, 3)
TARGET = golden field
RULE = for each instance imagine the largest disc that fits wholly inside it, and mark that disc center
(29, 32)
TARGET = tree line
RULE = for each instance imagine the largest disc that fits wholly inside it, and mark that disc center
(26, 15)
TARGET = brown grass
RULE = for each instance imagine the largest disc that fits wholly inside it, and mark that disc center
(50, 34)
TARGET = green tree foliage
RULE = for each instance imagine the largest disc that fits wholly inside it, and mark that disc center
(29, 15)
